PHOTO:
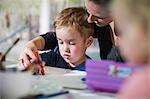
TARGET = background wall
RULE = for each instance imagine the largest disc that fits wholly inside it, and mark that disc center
(23, 19)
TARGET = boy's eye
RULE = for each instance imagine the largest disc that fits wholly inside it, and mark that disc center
(60, 42)
(71, 43)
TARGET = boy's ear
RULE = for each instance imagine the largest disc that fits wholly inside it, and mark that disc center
(89, 41)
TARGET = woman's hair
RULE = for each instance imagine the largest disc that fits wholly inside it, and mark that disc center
(105, 4)
(75, 17)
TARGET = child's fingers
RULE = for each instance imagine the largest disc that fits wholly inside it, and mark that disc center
(37, 68)
(30, 53)
(41, 68)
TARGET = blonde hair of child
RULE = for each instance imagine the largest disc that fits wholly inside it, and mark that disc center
(138, 11)
(75, 17)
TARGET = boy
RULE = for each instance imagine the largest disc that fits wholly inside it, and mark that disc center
(133, 21)
(74, 36)
(104, 31)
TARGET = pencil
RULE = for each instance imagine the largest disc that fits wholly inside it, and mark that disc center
(53, 95)
(41, 66)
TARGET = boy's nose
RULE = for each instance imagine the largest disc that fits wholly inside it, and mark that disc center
(66, 48)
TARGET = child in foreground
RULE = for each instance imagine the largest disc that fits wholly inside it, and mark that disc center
(133, 20)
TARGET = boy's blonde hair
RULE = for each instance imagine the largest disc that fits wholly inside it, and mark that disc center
(76, 18)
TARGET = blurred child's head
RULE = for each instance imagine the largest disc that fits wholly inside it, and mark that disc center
(74, 34)
(132, 19)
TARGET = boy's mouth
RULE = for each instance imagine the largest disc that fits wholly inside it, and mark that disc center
(66, 56)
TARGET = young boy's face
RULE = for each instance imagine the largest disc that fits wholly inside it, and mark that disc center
(72, 46)
(133, 42)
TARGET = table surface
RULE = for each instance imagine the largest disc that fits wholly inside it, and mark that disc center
(58, 79)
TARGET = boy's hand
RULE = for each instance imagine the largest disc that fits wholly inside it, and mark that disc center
(28, 57)
(32, 61)
(36, 68)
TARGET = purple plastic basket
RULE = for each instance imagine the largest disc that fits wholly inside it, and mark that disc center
(106, 76)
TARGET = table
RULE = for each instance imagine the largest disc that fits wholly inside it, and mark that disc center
(57, 79)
